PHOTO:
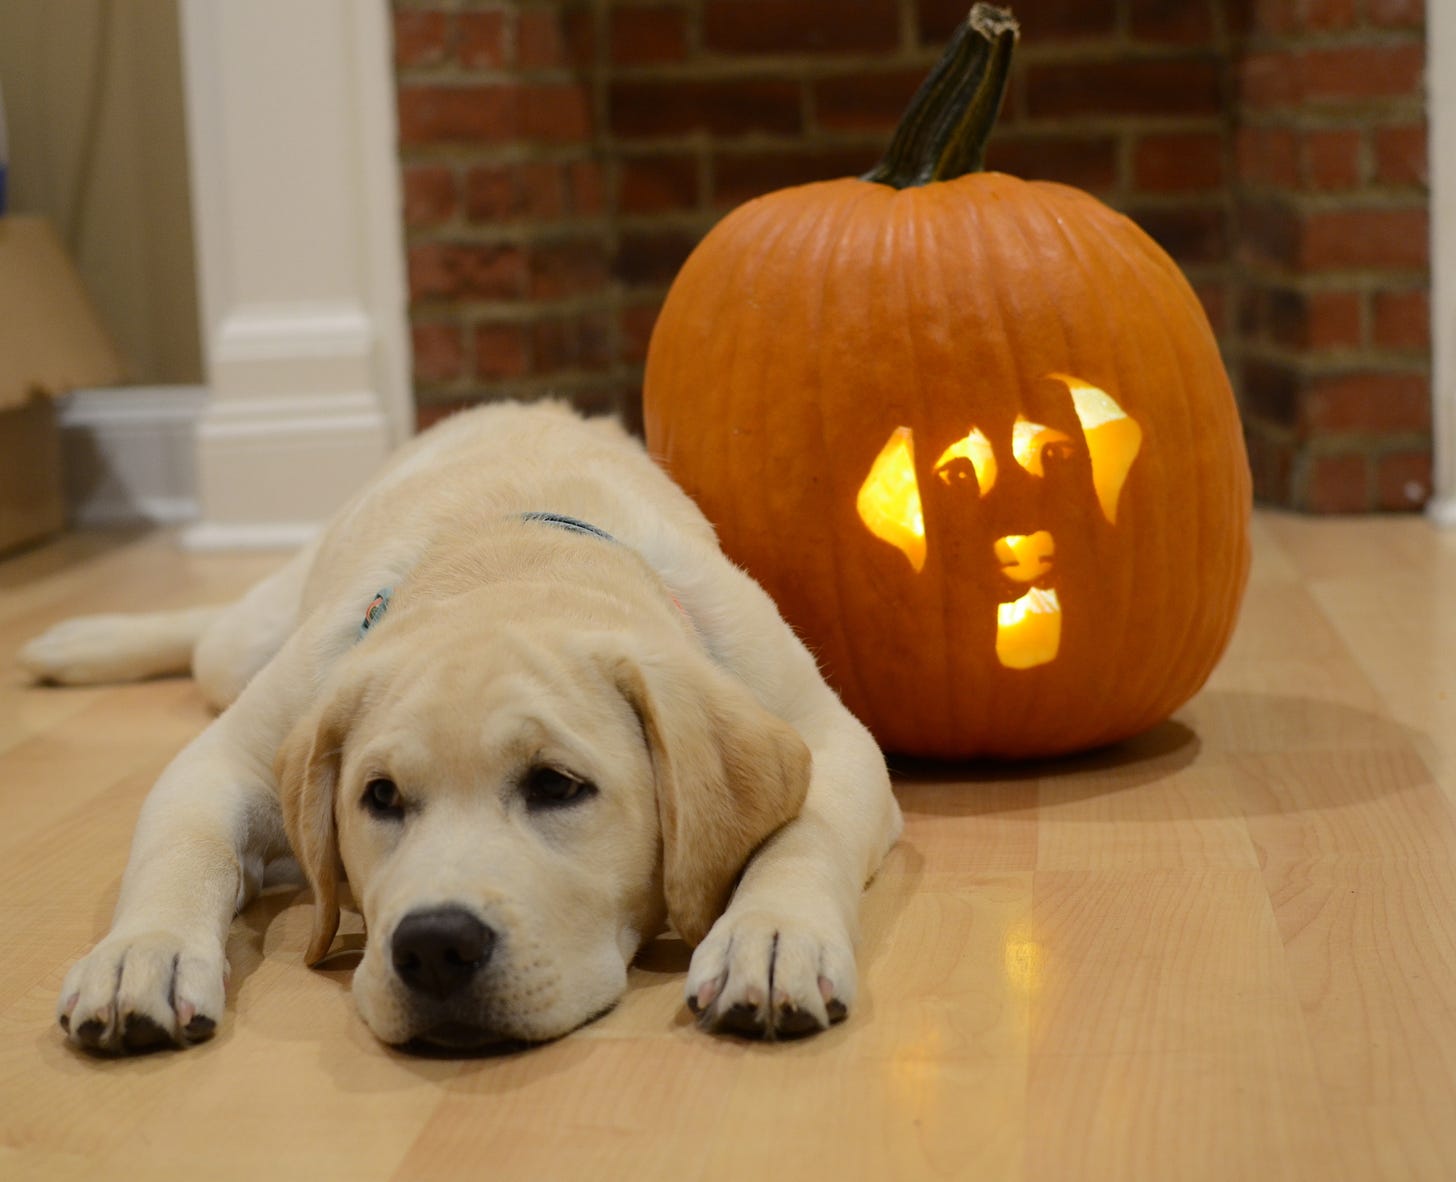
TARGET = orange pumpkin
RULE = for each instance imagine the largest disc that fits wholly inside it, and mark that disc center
(972, 433)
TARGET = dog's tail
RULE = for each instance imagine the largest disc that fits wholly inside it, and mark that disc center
(91, 650)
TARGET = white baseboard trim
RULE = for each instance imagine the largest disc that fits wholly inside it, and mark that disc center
(206, 537)
(130, 454)
(1442, 512)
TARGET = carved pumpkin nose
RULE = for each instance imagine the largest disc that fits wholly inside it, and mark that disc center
(1024, 558)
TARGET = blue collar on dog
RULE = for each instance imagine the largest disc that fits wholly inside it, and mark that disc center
(574, 524)
(380, 603)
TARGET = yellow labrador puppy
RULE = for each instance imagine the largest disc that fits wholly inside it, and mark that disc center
(519, 698)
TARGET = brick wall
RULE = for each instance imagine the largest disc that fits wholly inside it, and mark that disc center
(561, 159)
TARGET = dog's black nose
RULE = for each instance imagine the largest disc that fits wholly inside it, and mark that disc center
(439, 952)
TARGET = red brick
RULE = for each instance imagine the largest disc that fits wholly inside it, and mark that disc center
(1179, 163)
(635, 327)
(864, 101)
(539, 40)
(648, 36)
(1333, 320)
(1338, 484)
(1271, 463)
(741, 176)
(1271, 18)
(1269, 231)
(1402, 319)
(1375, 403)
(537, 190)
(431, 195)
(1307, 321)
(490, 194)
(1086, 162)
(502, 351)
(1269, 393)
(439, 352)
(1214, 298)
(1192, 234)
(652, 258)
(1332, 159)
(1177, 22)
(434, 115)
(585, 188)
(1362, 72)
(484, 40)
(1267, 156)
(1365, 238)
(421, 38)
(800, 26)
(560, 270)
(1403, 480)
(1187, 85)
(1400, 156)
(446, 270)
(658, 184)
(581, 342)
(555, 112)
(1268, 81)
(1404, 14)
(1325, 16)
(733, 106)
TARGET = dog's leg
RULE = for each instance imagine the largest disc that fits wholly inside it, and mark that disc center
(223, 647)
(206, 831)
(245, 637)
(781, 959)
(90, 650)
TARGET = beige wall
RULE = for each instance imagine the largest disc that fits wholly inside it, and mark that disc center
(93, 96)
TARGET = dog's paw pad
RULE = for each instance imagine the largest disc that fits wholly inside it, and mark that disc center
(141, 1033)
(141, 993)
(764, 975)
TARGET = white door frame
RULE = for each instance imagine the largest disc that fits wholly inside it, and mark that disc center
(296, 200)
(1441, 109)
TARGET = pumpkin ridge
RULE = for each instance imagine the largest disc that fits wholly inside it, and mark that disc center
(1125, 575)
(957, 688)
(1192, 648)
(1152, 688)
(1076, 714)
(847, 215)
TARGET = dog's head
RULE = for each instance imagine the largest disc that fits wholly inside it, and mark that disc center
(517, 809)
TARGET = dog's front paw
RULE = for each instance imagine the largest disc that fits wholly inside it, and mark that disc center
(766, 975)
(143, 992)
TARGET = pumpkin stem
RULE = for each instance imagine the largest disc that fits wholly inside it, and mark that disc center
(943, 132)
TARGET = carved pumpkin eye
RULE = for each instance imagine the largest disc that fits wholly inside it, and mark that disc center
(975, 451)
(1031, 443)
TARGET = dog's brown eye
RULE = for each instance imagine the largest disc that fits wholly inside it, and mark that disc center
(382, 798)
(549, 787)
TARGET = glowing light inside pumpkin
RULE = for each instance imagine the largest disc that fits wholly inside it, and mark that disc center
(976, 448)
(889, 499)
(1026, 557)
(1029, 630)
(1113, 440)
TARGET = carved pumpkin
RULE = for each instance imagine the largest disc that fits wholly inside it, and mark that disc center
(972, 433)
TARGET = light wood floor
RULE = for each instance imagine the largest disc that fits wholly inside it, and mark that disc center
(1225, 952)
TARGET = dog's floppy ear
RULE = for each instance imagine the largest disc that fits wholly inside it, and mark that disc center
(307, 769)
(728, 775)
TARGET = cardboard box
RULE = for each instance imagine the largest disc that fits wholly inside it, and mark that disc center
(51, 341)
